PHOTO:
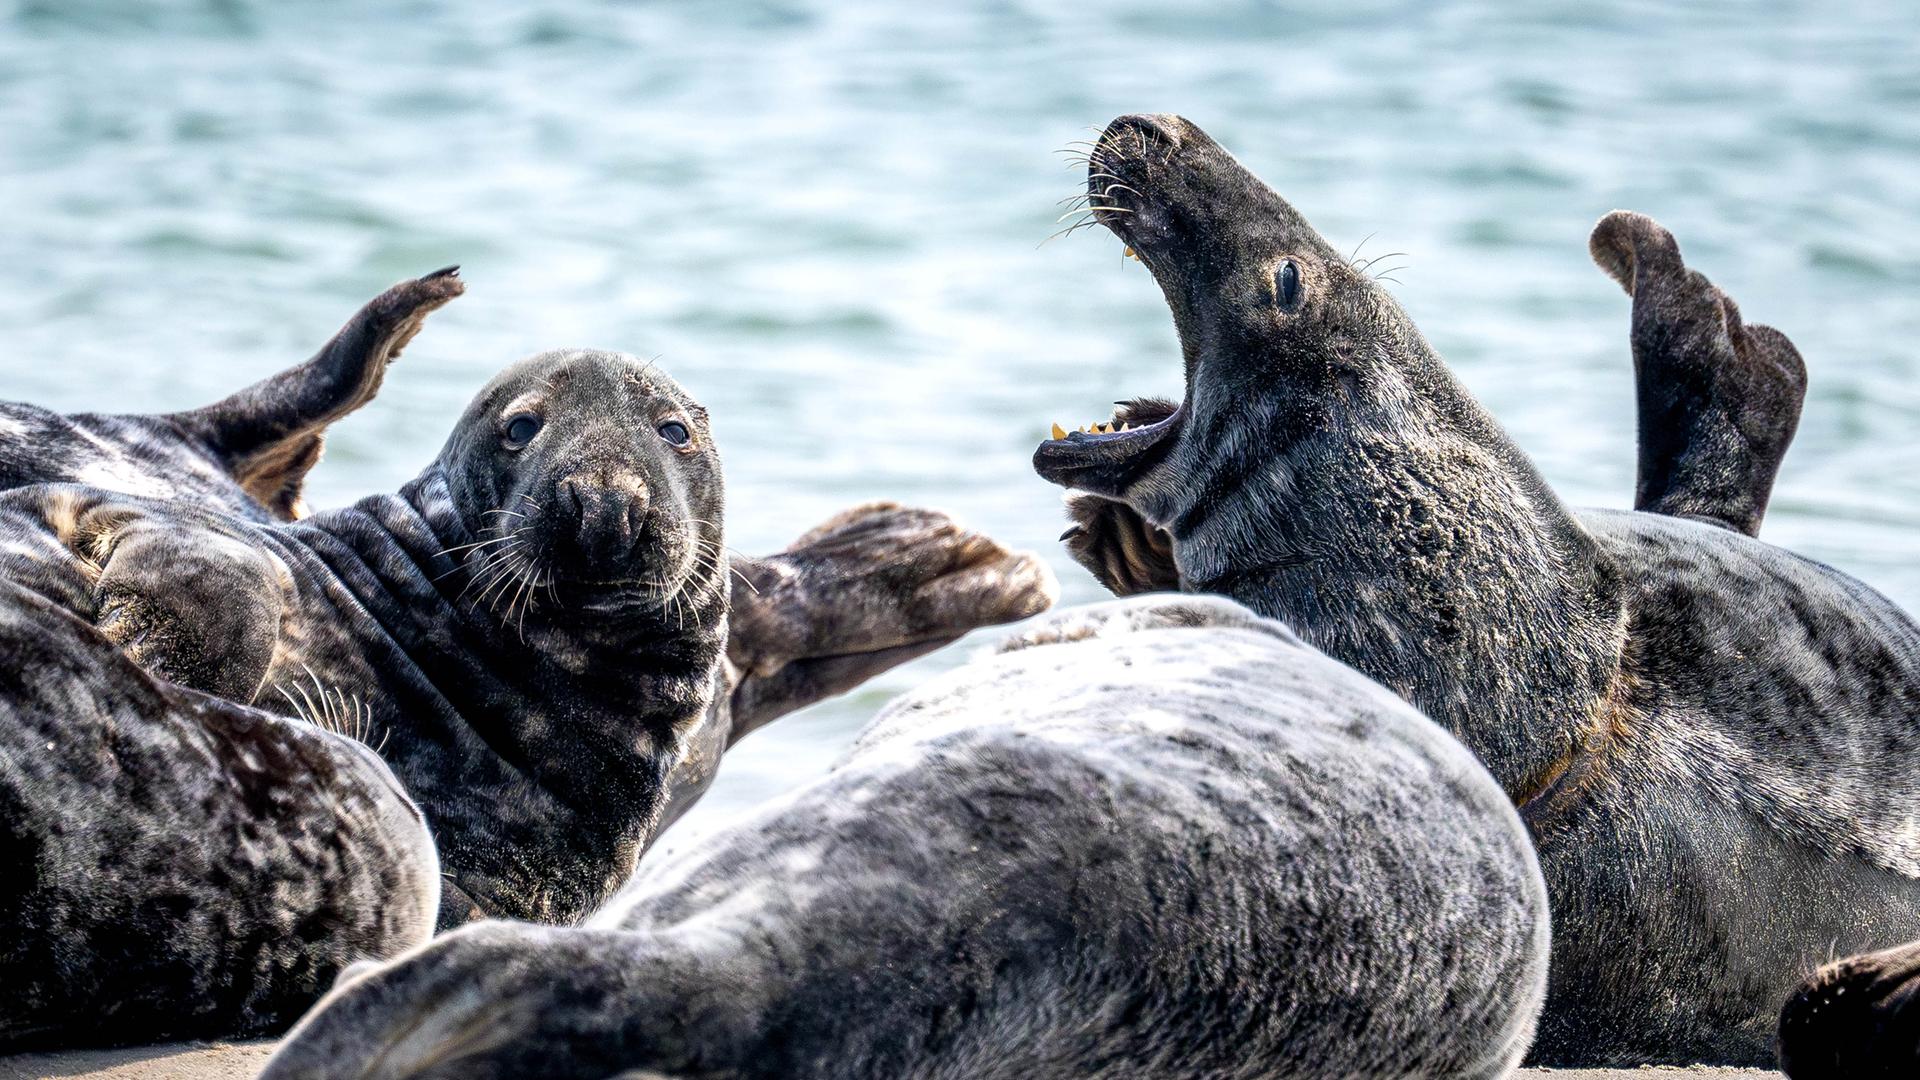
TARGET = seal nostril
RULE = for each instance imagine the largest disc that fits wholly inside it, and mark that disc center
(572, 499)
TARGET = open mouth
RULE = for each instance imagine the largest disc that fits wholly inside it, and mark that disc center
(1106, 457)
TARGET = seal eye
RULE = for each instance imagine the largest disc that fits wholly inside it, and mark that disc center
(675, 432)
(521, 429)
(1286, 284)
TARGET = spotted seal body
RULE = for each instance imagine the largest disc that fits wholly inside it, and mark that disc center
(1155, 838)
(179, 866)
(1715, 742)
(248, 453)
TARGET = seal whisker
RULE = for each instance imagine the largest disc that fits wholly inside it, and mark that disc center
(492, 560)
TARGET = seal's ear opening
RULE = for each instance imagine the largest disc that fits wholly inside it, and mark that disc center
(270, 435)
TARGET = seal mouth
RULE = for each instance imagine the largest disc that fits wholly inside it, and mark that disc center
(1107, 457)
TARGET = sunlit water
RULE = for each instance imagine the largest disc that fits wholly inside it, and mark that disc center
(826, 219)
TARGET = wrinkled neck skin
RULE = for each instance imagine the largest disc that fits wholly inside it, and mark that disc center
(537, 739)
(1388, 519)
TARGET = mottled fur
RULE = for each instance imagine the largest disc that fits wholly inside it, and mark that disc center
(865, 591)
(178, 866)
(249, 453)
(1154, 838)
(532, 628)
(1715, 741)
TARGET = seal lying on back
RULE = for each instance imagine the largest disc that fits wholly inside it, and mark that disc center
(248, 453)
(529, 631)
(1153, 838)
(872, 588)
(1715, 742)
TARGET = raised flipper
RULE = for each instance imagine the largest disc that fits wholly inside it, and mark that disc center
(1719, 400)
(1111, 539)
(269, 435)
(1856, 1017)
(867, 590)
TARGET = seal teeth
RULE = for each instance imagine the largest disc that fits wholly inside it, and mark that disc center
(1059, 432)
(1132, 254)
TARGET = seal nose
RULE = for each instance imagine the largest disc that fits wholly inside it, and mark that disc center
(1164, 129)
(609, 510)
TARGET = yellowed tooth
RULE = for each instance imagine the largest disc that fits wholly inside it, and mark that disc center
(1131, 255)
(1059, 432)
(1126, 427)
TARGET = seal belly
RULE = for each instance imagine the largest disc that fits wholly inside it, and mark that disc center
(1752, 814)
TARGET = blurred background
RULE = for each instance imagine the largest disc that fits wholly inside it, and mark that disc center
(826, 219)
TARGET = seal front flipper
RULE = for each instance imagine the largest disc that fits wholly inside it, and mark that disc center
(190, 604)
(1719, 400)
(270, 434)
(870, 588)
(1855, 1017)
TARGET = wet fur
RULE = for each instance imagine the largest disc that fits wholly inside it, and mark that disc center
(1153, 839)
(1715, 741)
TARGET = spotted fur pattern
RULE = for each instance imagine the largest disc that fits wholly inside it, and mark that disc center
(1155, 838)
(178, 866)
(1716, 742)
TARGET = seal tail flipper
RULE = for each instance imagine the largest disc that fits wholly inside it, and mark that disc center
(270, 434)
(1718, 399)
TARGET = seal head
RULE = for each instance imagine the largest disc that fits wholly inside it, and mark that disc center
(590, 474)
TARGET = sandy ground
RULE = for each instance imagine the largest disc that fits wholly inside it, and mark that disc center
(223, 1061)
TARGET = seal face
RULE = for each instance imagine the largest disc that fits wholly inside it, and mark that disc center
(1625, 676)
(1146, 823)
(535, 624)
(248, 453)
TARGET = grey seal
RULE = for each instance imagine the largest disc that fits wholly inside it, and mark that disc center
(1151, 838)
(249, 452)
(1713, 741)
(533, 633)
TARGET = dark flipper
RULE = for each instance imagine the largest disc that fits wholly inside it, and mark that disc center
(1858, 1017)
(1718, 399)
(270, 434)
(867, 590)
(864, 591)
(1116, 545)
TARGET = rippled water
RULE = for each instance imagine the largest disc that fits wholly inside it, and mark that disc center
(825, 219)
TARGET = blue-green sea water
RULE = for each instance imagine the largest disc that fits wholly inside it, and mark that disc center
(825, 218)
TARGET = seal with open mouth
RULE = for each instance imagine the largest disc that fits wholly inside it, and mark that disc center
(1715, 742)
(1150, 838)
